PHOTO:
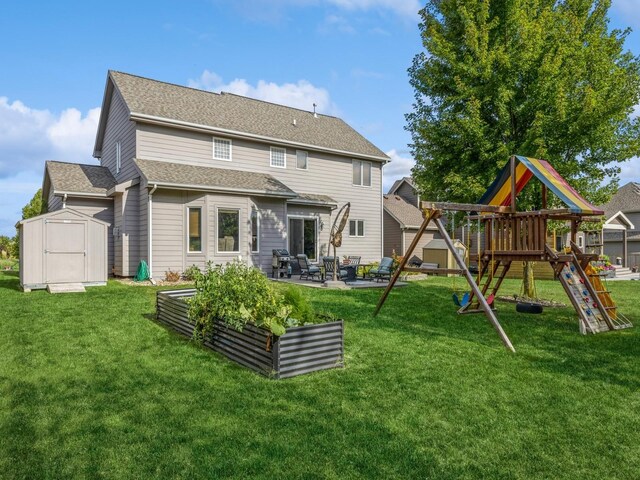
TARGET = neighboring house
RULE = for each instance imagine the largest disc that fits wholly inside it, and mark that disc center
(621, 230)
(188, 176)
(402, 219)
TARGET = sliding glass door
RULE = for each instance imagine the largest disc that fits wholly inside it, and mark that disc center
(303, 237)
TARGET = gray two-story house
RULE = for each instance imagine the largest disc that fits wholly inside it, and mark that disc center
(188, 176)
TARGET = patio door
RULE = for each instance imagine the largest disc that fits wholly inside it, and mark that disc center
(303, 237)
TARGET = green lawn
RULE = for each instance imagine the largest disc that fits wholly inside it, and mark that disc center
(92, 387)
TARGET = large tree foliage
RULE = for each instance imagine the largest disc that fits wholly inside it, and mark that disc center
(34, 207)
(541, 78)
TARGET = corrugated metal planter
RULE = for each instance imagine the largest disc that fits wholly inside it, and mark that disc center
(301, 350)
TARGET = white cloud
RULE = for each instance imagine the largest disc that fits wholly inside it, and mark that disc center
(630, 171)
(301, 94)
(30, 136)
(400, 166)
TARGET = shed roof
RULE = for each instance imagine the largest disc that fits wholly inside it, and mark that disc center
(210, 178)
(78, 178)
(149, 99)
(66, 213)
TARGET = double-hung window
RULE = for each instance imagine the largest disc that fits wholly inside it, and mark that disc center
(278, 157)
(361, 173)
(222, 149)
(194, 227)
(302, 160)
(228, 231)
(356, 228)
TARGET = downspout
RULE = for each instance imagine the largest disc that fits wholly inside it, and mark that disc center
(64, 201)
(150, 235)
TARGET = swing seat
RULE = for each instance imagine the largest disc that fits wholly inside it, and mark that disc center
(461, 302)
(490, 299)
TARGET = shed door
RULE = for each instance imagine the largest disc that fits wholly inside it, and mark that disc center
(65, 251)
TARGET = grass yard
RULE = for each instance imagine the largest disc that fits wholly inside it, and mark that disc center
(91, 387)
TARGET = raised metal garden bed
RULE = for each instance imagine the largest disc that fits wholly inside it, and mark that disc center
(300, 350)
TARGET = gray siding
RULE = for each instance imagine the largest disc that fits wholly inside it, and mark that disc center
(327, 174)
(272, 229)
(117, 235)
(392, 236)
(170, 229)
(119, 128)
(408, 194)
(102, 209)
(131, 231)
(54, 203)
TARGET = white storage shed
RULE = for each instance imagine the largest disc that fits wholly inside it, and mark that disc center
(62, 247)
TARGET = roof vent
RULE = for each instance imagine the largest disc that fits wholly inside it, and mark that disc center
(315, 115)
(294, 123)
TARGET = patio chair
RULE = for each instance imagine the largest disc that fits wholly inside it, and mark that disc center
(306, 269)
(382, 271)
(354, 260)
(328, 269)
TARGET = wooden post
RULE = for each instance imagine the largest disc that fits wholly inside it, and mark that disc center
(474, 287)
(431, 214)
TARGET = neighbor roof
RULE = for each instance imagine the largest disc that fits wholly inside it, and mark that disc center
(626, 199)
(152, 100)
(407, 215)
(210, 178)
(78, 178)
(396, 185)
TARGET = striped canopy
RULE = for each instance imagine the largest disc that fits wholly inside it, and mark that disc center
(499, 193)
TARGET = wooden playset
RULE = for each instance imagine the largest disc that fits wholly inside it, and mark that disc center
(512, 236)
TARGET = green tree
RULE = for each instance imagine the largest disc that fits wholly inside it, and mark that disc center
(541, 78)
(35, 207)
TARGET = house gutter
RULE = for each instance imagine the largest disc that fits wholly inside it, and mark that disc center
(150, 235)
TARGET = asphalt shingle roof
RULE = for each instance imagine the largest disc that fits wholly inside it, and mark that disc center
(408, 215)
(315, 199)
(223, 179)
(626, 199)
(240, 114)
(397, 183)
(79, 178)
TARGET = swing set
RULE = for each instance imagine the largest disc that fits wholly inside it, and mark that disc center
(511, 236)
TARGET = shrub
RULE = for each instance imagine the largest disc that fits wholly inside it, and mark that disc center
(236, 294)
(171, 276)
(192, 273)
(299, 304)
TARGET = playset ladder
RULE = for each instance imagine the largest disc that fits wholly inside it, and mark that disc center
(490, 276)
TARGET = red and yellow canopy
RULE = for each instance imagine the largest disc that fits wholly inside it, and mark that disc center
(499, 193)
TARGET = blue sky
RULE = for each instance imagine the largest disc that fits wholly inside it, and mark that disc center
(348, 56)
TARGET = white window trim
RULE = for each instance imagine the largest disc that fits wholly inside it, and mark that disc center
(213, 146)
(363, 228)
(257, 212)
(361, 184)
(224, 209)
(118, 156)
(307, 154)
(192, 252)
(284, 150)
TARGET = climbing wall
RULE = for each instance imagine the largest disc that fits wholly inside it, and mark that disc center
(591, 319)
(591, 316)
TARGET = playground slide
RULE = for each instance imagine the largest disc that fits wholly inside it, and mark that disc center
(591, 319)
